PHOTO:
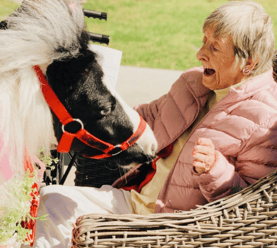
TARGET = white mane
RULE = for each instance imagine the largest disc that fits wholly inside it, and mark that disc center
(39, 32)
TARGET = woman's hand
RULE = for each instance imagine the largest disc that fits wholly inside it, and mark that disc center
(204, 155)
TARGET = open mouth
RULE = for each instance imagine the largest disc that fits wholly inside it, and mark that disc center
(209, 71)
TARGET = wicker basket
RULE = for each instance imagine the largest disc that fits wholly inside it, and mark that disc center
(95, 173)
(245, 219)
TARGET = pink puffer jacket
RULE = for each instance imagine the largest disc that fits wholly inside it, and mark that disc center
(242, 126)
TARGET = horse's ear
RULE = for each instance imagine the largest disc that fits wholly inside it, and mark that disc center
(84, 40)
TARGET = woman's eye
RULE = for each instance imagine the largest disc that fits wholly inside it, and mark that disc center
(214, 49)
(106, 111)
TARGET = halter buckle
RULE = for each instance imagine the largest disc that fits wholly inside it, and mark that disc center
(116, 147)
(74, 120)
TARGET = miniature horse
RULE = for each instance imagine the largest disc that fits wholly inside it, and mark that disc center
(46, 42)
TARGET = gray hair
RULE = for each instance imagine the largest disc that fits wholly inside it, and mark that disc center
(251, 30)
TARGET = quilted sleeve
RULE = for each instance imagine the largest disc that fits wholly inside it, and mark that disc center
(150, 111)
(257, 159)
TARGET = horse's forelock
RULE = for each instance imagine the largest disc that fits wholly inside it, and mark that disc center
(37, 31)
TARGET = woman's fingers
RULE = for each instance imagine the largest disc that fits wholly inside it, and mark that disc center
(203, 149)
(199, 167)
(205, 142)
(207, 159)
(204, 155)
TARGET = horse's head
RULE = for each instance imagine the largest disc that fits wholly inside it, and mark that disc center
(50, 34)
(81, 87)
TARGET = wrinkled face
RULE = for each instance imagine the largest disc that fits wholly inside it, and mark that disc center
(80, 86)
(218, 59)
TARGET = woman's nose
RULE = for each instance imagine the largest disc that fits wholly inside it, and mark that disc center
(201, 55)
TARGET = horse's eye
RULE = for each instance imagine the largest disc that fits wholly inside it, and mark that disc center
(86, 72)
(106, 111)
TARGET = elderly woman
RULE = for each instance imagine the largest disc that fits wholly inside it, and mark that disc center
(221, 118)
(216, 130)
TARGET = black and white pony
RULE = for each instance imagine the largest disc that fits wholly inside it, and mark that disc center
(45, 41)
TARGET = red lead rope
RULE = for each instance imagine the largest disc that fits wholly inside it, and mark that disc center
(87, 138)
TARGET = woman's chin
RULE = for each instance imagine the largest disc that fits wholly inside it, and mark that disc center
(209, 82)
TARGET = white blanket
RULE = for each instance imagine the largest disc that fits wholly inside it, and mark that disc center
(64, 204)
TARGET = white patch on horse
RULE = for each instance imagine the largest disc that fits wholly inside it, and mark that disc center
(147, 141)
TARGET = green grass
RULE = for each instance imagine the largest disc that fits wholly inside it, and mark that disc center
(155, 33)
(6, 8)
(158, 33)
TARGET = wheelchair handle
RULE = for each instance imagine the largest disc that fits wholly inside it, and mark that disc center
(95, 14)
(99, 38)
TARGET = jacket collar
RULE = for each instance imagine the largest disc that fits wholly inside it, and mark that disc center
(254, 85)
(246, 90)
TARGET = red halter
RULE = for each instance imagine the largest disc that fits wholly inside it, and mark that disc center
(87, 138)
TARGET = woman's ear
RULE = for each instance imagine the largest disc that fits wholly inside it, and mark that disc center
(251, 63)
